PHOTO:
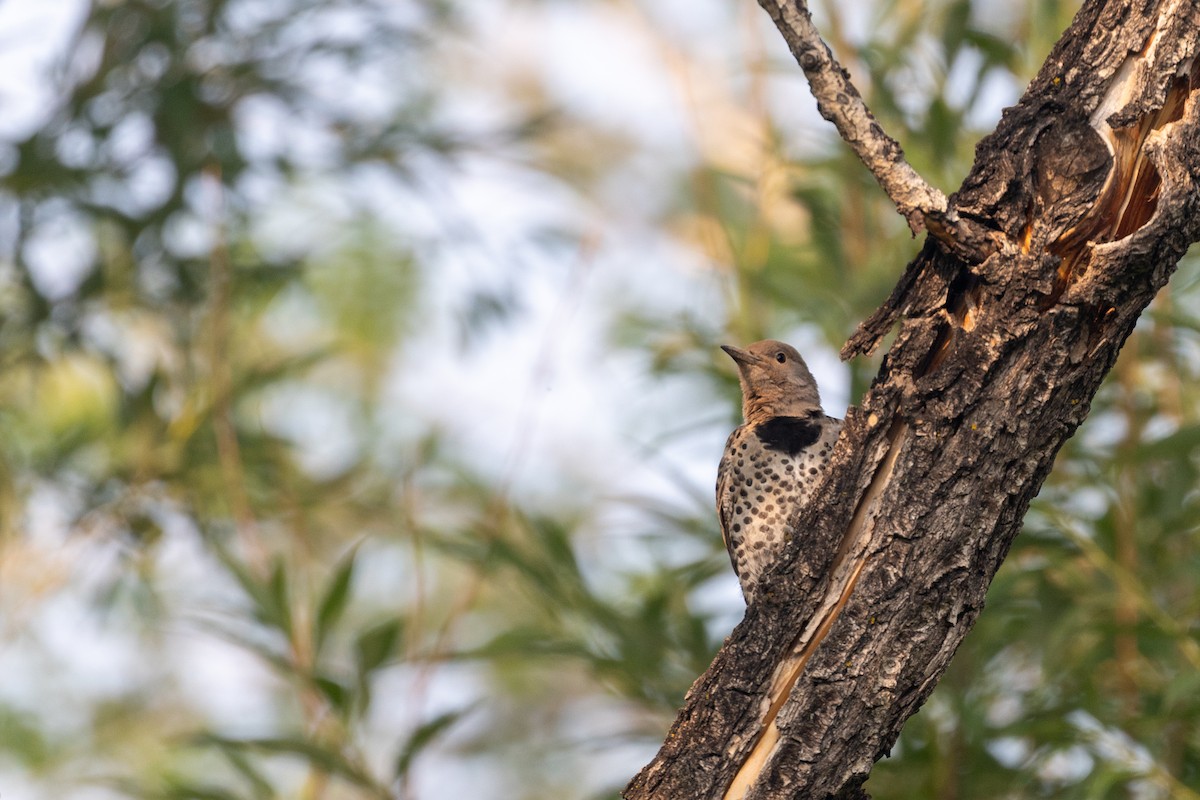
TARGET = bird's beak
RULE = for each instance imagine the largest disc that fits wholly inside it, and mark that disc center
(744, 358)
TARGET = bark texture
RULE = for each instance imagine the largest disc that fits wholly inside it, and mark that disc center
(1092, 187)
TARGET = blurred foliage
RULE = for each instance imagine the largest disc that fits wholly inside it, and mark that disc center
(235, 565)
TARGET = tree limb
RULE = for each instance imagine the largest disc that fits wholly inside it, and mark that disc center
(922, 205)
(1092, 183)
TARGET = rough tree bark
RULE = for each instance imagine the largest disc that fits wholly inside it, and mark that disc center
(1088, 193)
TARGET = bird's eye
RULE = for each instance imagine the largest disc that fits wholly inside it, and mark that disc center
(780, 357)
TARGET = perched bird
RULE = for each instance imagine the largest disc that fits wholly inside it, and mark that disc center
(774, 460)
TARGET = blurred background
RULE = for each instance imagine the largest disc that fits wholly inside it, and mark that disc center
(360, 403)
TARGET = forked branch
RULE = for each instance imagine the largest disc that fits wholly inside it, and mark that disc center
(922, 204)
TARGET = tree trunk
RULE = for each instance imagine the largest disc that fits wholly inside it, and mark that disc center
(1089, 190)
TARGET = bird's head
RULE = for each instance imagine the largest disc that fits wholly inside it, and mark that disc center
(775, 381)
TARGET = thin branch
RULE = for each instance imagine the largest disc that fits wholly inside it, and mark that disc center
(229, 456)
(923, 205)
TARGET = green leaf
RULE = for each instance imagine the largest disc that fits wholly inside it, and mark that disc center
(337, 693)
(275, 656)
(1179, 444)
(259, 597)
(258, 784)
(376, 644)
(422, 737)
(333, 601)
(1182, 691)
(269, 599)
(280, 608)
(324, 759)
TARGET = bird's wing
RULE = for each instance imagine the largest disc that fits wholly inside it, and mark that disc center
(725, 495)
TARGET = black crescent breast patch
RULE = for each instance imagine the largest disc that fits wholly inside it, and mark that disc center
(788, 434)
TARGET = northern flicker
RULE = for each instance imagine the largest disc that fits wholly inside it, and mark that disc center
(774, 460)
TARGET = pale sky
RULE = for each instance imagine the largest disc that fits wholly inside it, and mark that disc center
(546, 402)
